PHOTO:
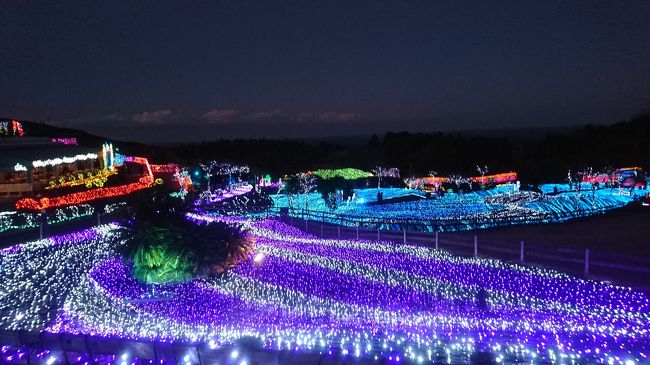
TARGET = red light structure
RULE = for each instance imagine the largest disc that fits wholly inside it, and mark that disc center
(90, 195)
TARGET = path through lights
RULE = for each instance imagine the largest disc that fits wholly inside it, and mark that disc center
(352, 298)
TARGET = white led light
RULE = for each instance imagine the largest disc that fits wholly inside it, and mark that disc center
(58, 161)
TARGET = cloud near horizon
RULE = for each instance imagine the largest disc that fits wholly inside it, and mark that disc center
(222, 116)
(155, 117)
(303, 117)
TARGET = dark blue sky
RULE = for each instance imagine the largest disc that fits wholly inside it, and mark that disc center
(205, 69)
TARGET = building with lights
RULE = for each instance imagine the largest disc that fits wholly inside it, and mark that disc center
(28, 165)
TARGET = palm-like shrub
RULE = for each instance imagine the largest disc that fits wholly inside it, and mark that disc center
(159, 256)
(165, 247)
(219, 246)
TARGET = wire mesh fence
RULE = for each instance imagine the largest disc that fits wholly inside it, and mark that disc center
(620, 269)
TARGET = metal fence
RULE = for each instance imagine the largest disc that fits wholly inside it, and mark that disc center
(44, 229)
(446, 224)
(621, 269)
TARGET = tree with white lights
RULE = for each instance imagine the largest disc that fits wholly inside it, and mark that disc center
(224, 168)
(307, 185)
(379, 172)
(458, 180)
(482, 171)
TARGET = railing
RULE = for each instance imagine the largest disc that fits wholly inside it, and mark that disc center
(33, 226)
(446, 224)
(621, 269)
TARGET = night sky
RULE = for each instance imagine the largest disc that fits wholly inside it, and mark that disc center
(165, 71)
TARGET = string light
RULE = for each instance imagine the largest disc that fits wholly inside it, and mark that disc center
(83, 197)
(91, 179)
(502, 178)
(498, 206)
(86, 196)
(64, 160)
(11, 128)
(345, 173)
(10, 221)
(357, 298)
(170, 167)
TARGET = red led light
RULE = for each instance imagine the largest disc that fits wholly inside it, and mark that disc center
(90, 195)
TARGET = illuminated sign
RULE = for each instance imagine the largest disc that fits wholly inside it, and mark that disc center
(66, 141)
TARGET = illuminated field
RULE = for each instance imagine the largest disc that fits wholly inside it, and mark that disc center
(354, 298)
(498, 206)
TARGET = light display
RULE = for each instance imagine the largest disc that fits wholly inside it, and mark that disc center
(108, 155)
(346, 173)
(52, 266)
(14, 221)
(118, 159)
(629, 177)
(501, 205)
(85, 196)
(185, 183)
(380, 172)
(349, 297)
(64, 160)
(11, 128)
(140, 161)
(210, 197)
(110, 208)
(20, 167)
(89, 180)
(94, 194)
(502, 178)
(170, 167)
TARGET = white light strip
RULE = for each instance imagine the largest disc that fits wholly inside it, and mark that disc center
(58, 161)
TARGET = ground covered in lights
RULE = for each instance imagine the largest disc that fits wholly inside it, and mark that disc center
(348, 297)
(501, 205)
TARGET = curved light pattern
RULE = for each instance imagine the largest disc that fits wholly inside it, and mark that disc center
(62, 160)
(355, 298)
(84, 196)
(36, 276)
(451, 212)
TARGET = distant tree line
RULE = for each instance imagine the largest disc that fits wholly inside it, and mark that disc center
(415, 154)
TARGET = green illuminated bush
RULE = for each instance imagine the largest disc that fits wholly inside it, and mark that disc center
(347, 173)
(160, 258)
(165, 247)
